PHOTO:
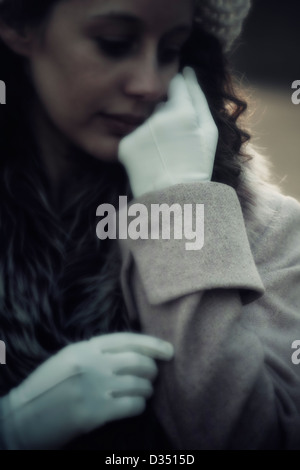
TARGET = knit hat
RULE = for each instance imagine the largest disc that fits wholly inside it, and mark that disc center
(222, 18)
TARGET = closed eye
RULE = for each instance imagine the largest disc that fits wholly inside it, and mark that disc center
(115, 48)
(172, 45)
(167, 56)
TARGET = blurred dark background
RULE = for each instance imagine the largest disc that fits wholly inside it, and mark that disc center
(266, 61)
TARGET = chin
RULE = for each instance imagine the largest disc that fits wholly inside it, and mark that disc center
(105, 148)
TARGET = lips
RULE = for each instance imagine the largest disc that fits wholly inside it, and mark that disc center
(122, 124)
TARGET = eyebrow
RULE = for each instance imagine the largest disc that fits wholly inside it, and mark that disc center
(116, 16)
(131, 19)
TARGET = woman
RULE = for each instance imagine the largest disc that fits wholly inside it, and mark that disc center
(90, 84)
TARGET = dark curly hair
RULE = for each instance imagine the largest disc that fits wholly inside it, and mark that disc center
(58, 282)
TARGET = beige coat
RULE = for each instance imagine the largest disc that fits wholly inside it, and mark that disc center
(232, 312)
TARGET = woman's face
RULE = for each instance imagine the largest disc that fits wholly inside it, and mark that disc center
(102, 66)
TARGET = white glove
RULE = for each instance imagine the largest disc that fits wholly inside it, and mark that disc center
(84, 386)
(177, 144)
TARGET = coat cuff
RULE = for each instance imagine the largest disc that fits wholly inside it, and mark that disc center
(168, 270)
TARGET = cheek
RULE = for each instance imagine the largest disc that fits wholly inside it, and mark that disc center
(71, 91)
(64, 75)
(72, 105)
(73, 84)
(62, 92)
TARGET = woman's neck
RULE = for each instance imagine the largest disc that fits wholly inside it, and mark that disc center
(54, 151)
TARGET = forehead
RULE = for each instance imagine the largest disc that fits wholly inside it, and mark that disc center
(154, 13)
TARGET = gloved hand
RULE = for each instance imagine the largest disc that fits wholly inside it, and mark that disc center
(82, 387)
(177, 144)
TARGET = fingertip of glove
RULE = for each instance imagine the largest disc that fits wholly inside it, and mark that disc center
(190, 75)
(187, 69)
(175, 83)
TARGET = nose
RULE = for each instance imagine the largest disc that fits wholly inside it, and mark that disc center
(147, 81)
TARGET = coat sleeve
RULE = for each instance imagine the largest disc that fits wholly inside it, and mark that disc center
(232, 316)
